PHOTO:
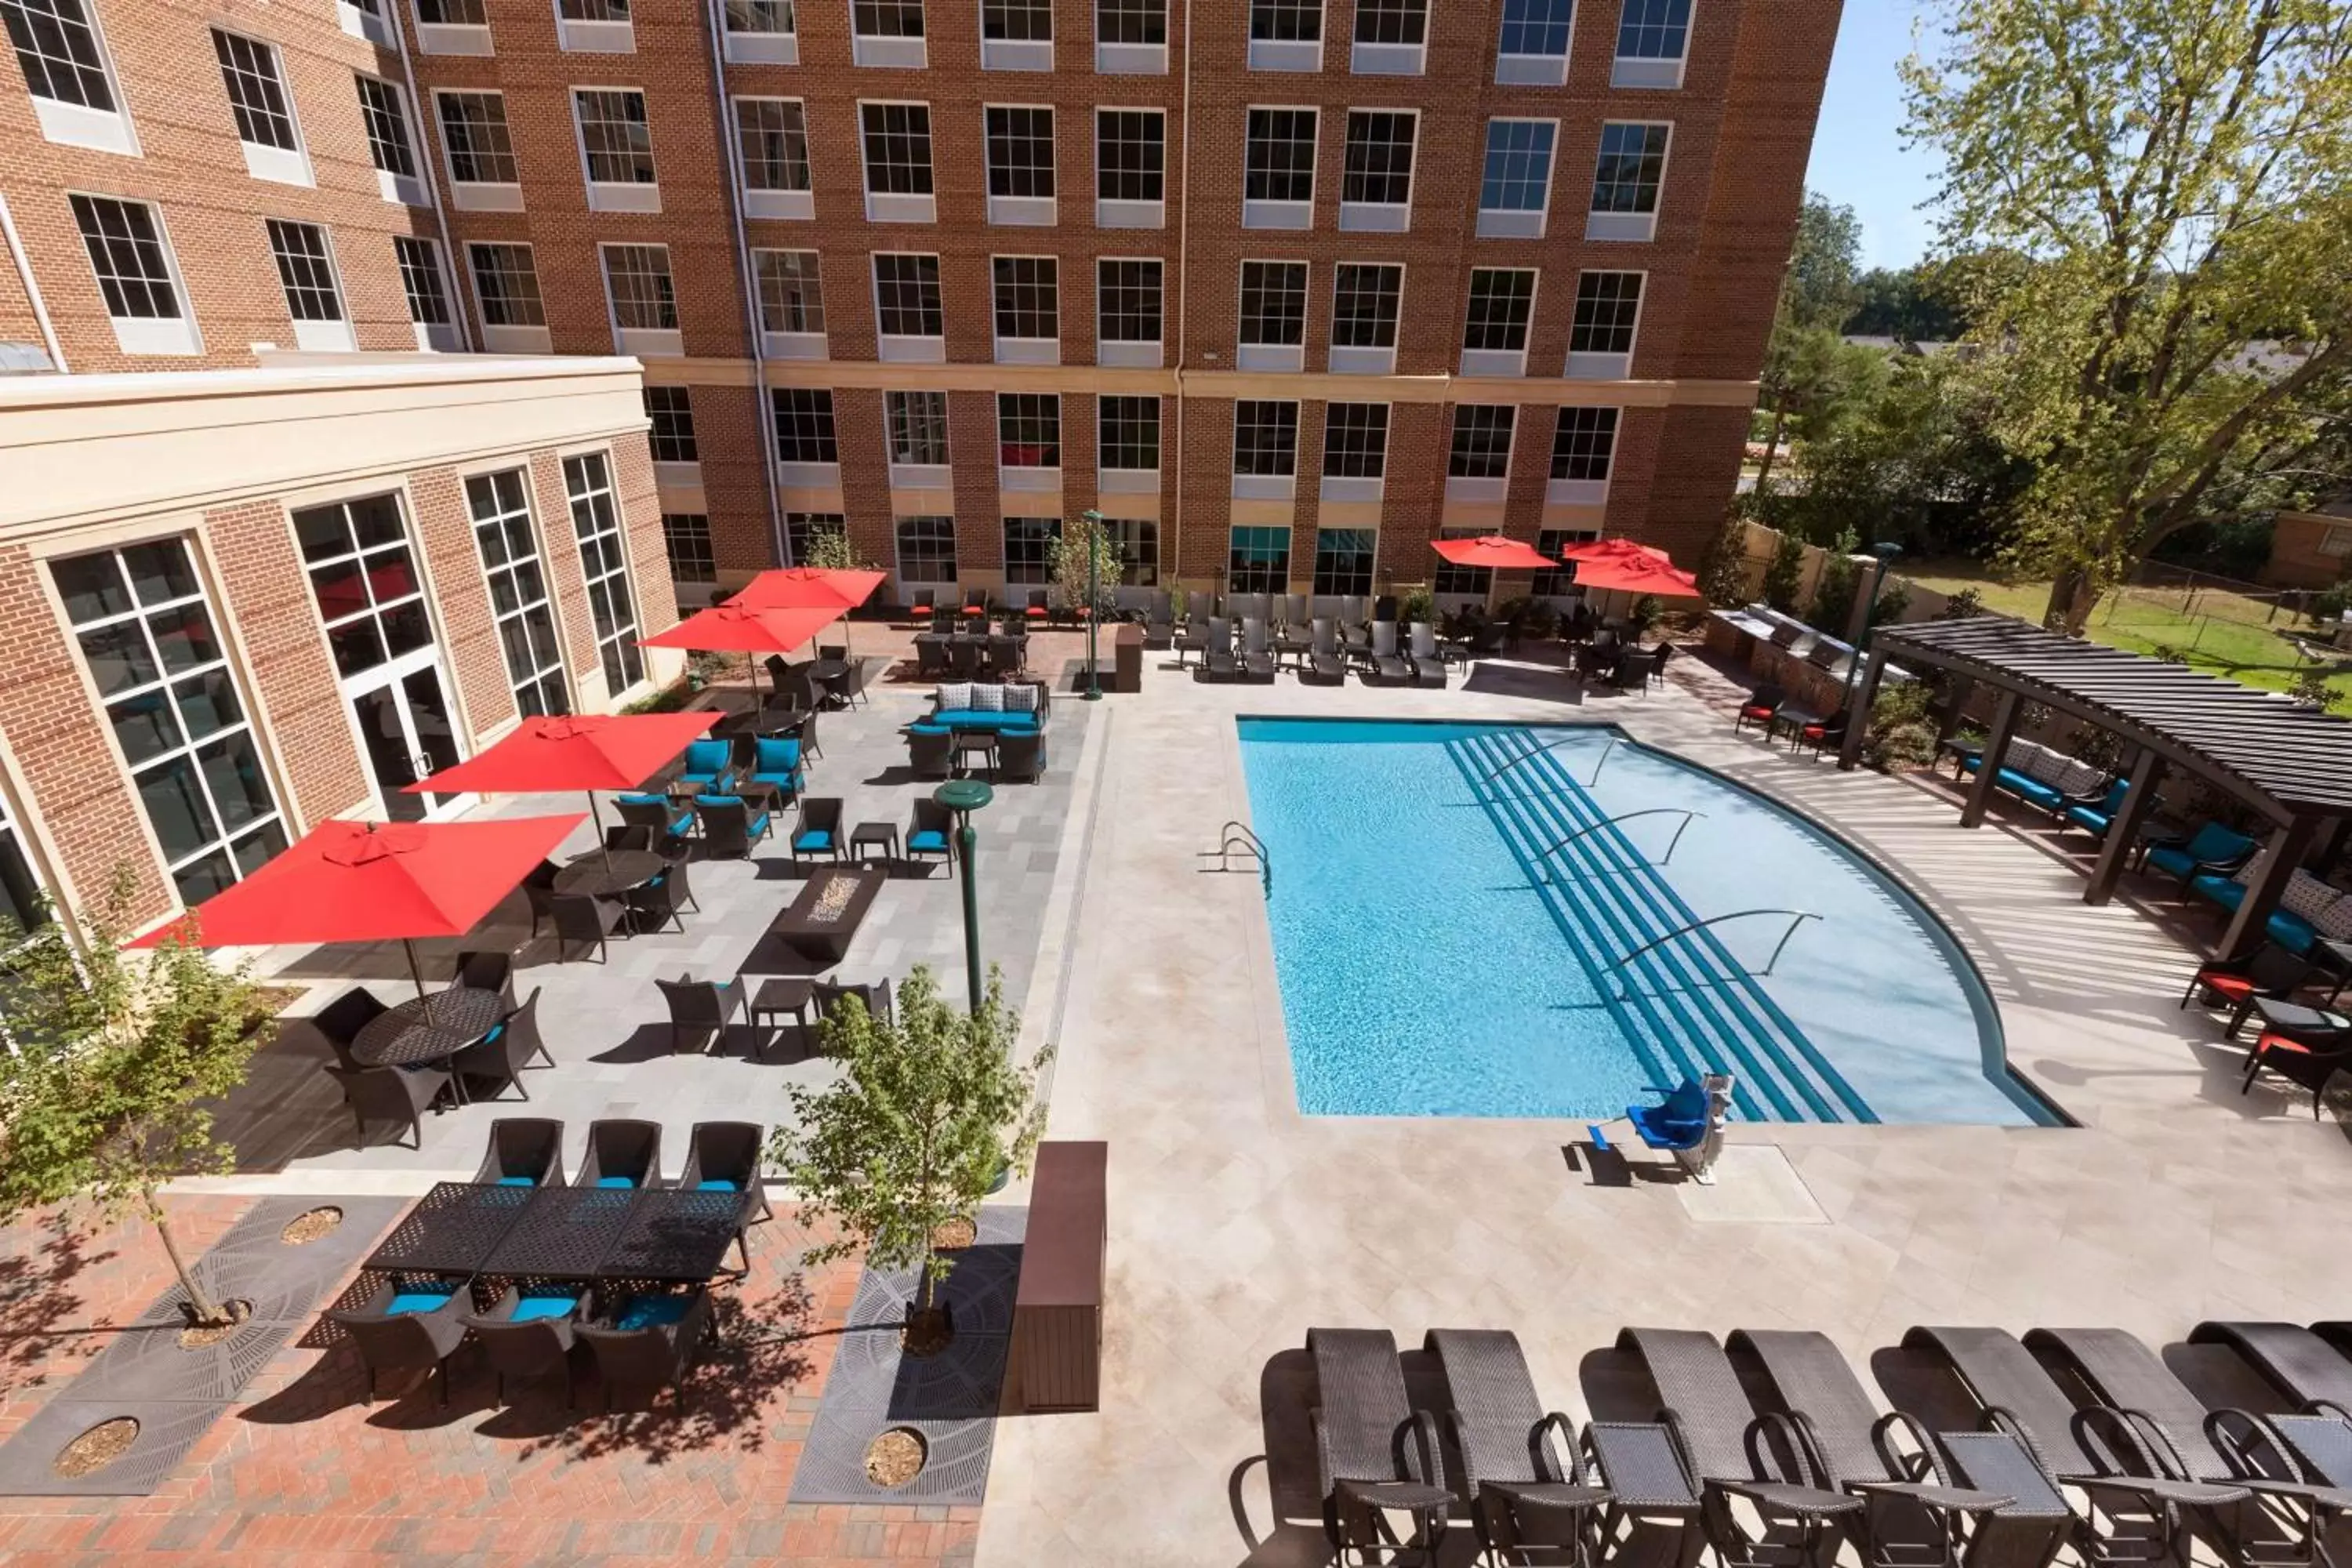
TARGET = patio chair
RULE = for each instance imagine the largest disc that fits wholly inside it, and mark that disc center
(1218, 660)
(412, 1324)
(664, 899)
(1821, 735)
(964, 659)
(1192, 639)
(629, 835)
(1522, 1491)
(806, 735)
(1257, 653)
(2265, 969)
(2213, 850)
(2297, 1362)
(1159, 622)
(2094, 814)
(523, 1151)
(729, 827)
(656, 812)
(702, 1009)
(1373, 1452)
(524, 1022)
(391, 1094)
(852, 685)
(1294, 610)
(1040, 607)
(922, 606)
(709, 764)
(499, 1056)
(724, 1157)
(1021, 755)
(1590, 659)
(2150, 1514)
(542, 879)
(1428, 664)
(1911, 1513)
(647, 1339)
(930, 659)
(930, 750)
(819, 832)
(777, 764)
(2309, 1062)
(338, 1022)
(486, 969)
(1760, 707)
(874, 994)
(1379, 664)
(527, 1332)
(580, 917)
(1324, 664)
(1702, 1404)
(931, 831)
(622, 1154)
(1635, 668)
(1001, 659)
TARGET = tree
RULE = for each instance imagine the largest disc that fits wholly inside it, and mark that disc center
(1915, 461)
(1910, 304)
(1785, 573)
(1066, 562)
(117, 1058)
(2176, 176)
(929, 1111)
(1816, 295)
(1723, 572)
(829, 550)
(1834, 589)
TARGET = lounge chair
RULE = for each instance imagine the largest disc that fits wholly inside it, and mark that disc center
(1380, 662)
(1911, 1513)
(1521, 1490)
(2300, 1364)
(2150, 1512)
(1192, 639)
(412, 1324)
(1762, 706)
(622, 1154)
(1428, 664)
(2212, 850)
(729, 827)
(523, 1151)
(701, 1009)
(1258, 652)
(1324, 663)
(1374, 1453)
(1159, 622)
(2268, 970)
(819, 832)
(1702, 1405)
(1218, 659)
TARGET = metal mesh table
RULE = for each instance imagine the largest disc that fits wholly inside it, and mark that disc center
(451, 1229)
(604, 875)
(409, 1034)
(675, 1233)
(564, 1234)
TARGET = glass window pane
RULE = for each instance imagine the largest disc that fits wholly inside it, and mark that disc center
(340, 589)
(160, 573)
(144, 725)
(356, 647)
(200, 880)
(233, 770)
(323, 533)
(91, 587)
(183, 637)
(118, 657)
(207, 703)
(183, 823)
(406, 629)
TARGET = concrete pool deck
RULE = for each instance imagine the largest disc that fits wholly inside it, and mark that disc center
(1236, 1223)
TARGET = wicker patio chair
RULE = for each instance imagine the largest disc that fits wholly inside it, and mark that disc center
(1373, 1452)
(2299, 1362)
(389, 1094)
(338, 1022)
(528, 1332)
(647, 1339)
(701, 1009)
(622, 1154)
(1524, 1494)
(724, 1157)
(408, 1325)
(523, 1151)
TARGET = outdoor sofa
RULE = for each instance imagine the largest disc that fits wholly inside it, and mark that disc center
(2308, 907)
(2042, 776)
(997, 706)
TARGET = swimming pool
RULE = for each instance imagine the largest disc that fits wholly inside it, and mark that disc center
(1471, 919)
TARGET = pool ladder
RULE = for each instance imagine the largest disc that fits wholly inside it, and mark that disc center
(1235, 838)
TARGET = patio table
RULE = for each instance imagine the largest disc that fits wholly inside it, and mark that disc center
(562, 1233)
(603, 875)
(2280, 1014)
(677, 1234)
(451, 1229)
(408, 1036)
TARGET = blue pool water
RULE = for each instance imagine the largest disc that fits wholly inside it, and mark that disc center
(1459, 928)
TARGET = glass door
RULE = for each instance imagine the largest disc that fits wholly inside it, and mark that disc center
(406, 730)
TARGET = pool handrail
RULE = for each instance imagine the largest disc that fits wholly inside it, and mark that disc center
(1236, 834)
(1684, 813)
(1531, 755)
(1797, 917)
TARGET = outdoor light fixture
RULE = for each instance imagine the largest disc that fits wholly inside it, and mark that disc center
(964, 796)
(1094, 602)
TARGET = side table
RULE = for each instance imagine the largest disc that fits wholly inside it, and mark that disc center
(783, 994)
(882, 834)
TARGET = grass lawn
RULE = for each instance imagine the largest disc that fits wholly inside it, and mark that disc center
(2235, 643)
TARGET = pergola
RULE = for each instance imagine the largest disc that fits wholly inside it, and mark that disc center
(2292, 764)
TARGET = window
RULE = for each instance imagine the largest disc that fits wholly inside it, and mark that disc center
(1016, 21)
(506, 283)
(1364, 306)
(1355, 441)
(1392, 22)
(1378, 166)
(1536, 28)
(1475, 581)
(474, 125)
(1279, 165)
(1020, 151)
(59, 50)
(1482, 441)
(145, 630)
(1633, 161)
(1652, 30)
(887, 18)
(614, 136)
(1029, 429)
(1553, 542)
(1139, 550)
(596, 523)
(593, 10)
(1028, 296)
(918, 427)
(773, 135)
(1286, 21)
(453, 13)
(791, 295)
(638, 278)
(1127, 432)
(1584, 443)
(1517, 188)
(686, 539)
(303, 268)
(1501, 299)
(1265, 438)
(671, 409)
(759, 17)
(387, 128)
(1127, 299)
(1343, 561)
(1258, 561)
(1131, 22)
(518, 596)
(23, 903)
(806, 532)
(126, 252)
(927, 550)
(897, 148)
(364, 579)
(256, 95)
(421, 280)
(1029, 549)
(1273, 313)
(907, 296)
(1130, 155)
(804, 426)
(1607, 306)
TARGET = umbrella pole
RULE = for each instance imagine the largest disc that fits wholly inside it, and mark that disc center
(416, 974)
(597, 820)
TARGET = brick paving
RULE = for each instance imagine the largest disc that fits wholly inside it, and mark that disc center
(302, 1471)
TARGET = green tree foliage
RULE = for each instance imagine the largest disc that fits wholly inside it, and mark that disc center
(1785, 573)
(1902, 732)
(1723, 571)
(1067, 563)
(118, 1059)
(929, 1110)
(829, 550)
(1834, 589)
(1915, 461)
(2174, 181)
(1911, 304)
(1803, 359)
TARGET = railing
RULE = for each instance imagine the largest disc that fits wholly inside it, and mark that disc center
(1528, 756)
(1796, 918)
(1236, 838)
(1627, 816)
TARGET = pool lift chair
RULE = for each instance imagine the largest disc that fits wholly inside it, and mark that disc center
(1688, 1123)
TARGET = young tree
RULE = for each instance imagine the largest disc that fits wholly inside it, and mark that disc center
(1816, 296)
(931, 1110)
(1723, 572)
(1785, 573)
(829, 550)
(2177, 177)
(1066, 562)
(118, 1059)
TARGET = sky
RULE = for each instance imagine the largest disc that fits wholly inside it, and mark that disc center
(1858, 155)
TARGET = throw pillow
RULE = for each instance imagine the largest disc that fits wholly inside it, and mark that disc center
(988, 697)
(2081, 778)
(2245, 874)
(2023, 755)
(955, 696)
(2308, 896)
(1021, 699)
(2334, 921)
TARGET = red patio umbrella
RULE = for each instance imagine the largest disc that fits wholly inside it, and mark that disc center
(810, 588)
(375, 882)
(1495, 552)
(734, 628)
(1629, 576)
(582, 751)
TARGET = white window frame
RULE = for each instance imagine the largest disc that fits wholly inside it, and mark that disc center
(331, 337)
(278, 165)
(1117, 58)
(1132, 353)
(758, 201)
(622, 644)
(615, 195)
(1288, 54)
(1276, 357)
(647, 342)
(1026, 351)
(537, 679)
(451, 38)
(897, 206)
(1637, 227)
(1124, 212)
(484, 195)
(748, 46)
(888, 52)
(601, 36)
(1647, 71)
(1355, 359)
(1581, 492)
(1015, 53)
(1532, 70)
(917, 476)
(1499, 361)
(80, 125)
(1029, 212)
(1480, 490)
(908, 348)
(1377, 217)
(1129, 481)
(1606, 366)
(1284, 214)
(509, 337)
(156, 335)
(1517, 223)
(434, 337)
(405, 190)
(804, 345)
(1388, 59)
(675, 473)
(366, 19)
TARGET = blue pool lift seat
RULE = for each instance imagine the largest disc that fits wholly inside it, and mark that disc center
(1678, 1123)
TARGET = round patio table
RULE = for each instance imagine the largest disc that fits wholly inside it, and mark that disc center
(409, 1037)
(601, 875)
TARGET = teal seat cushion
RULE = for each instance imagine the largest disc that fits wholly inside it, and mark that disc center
(498, 1029)
(975, 719)
(718, 800)
(2226, 891)
(534, 1306)
(789, 783)
(1025, 725)
(2171, 859)
(925, 727)
(2032, 789)
(517, 1181)
(615, 1182)
(814, 838)
(651, 1312)
(928, 838)
(758, 825)
(776, 756)
(2292, 931)
(717, 1187)
(417, 1301)
(2091, 818)
(707, 759)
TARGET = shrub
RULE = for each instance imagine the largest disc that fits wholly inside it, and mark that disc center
(1723, 572)
(2311, 689)
(1645, 612)
(1784, 574)
(1961, 603)
(1891, 604)
(1901, 733)
(1833, 592)
(1417, 603)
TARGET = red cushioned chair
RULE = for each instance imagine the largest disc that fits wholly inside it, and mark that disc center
(1762, 706)
(1038, 610)
(2308, 1060)
(924, 608)
(2264, 970)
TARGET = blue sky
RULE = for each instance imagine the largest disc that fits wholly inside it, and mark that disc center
(1858, 155)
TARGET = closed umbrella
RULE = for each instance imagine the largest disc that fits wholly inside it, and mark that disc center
(582, 751)
(375, 882)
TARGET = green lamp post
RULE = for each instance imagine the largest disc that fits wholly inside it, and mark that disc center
(1094, 600)
(964, 796)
